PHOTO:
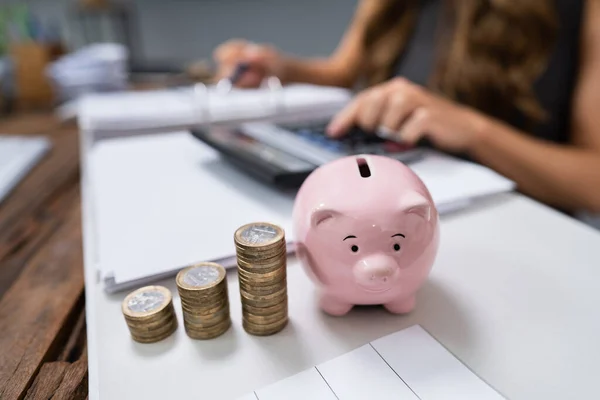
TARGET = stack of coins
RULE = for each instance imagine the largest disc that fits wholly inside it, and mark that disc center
(149, 314)
(204, 300)
(262, 258)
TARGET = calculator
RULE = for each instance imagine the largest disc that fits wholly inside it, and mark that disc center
(285, 154)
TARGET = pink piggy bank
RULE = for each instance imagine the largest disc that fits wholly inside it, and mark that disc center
(367, 232)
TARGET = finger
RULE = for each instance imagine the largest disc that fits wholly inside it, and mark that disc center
(417, 125)
(257, 61)
(250, 79)
(229, 51)
(345, 119)
(397, 109)
(255, 53)
(265, 57)
(368, 116)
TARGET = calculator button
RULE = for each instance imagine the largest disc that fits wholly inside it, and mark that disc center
(321, 139)
(335, 147)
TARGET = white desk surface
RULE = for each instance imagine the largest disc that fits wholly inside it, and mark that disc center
(513, 294)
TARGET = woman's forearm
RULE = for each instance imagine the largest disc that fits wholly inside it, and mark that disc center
(345, 64)
(565, 177)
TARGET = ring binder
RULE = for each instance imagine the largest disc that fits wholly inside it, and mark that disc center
(276, 93)
(201, 97)
(224, 86)
(205, 105)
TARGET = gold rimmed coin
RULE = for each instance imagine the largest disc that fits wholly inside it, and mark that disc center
(262, 269)
(205, 310)
(264, 311)
(208, 332)
(266, 319)
(262, 257)
(149, 314)
(261, 297)
(262, 290)
(261, 279)
(266, 304)
(259, 235)
(262, 260)
(143, 339)
(200, 277)
(204, 300)
(264, 330)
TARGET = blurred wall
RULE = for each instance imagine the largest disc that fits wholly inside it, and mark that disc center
(178, 31)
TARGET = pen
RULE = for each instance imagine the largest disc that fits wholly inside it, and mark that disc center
(240, 69)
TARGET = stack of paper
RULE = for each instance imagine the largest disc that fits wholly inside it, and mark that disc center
(183, 108)
(99, 67)
(161, 202)
(409, 364)
(456, 184)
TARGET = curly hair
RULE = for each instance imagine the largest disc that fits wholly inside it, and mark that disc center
(489, 54)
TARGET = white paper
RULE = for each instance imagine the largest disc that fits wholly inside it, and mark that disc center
(249, 396)
(164, 201)
(363, 374)
(431, 371)
(306, 385)
(452, 181)
(408, 364)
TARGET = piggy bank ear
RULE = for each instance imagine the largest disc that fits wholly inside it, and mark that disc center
(322, 217)
(415, 203)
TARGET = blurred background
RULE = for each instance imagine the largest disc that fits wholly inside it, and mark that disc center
(175, 32)
(160, 39)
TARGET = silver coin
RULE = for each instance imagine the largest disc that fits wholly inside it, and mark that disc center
(201, 276)
(146, 301)
(258, 234)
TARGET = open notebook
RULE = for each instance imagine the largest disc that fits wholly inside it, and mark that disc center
(409, 364)
(163, 201)
(183, 108)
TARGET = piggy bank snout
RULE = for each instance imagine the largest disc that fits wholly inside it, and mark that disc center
(376, 271)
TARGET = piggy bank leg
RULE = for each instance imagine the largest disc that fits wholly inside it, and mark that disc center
(333, 306)
(401, 306)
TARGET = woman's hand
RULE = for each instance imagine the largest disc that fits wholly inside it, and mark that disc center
(407, 112)
(263, 61)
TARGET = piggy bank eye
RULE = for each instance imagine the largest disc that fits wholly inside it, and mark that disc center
(396, 247)
(354, 248)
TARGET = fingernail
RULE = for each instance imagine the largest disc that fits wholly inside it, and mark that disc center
(384, 132)
(332, 129)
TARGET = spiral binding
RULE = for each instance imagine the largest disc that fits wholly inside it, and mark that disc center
(201, 96)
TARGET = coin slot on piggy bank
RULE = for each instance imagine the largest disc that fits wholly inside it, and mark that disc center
(367, 233)
(363, 167)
